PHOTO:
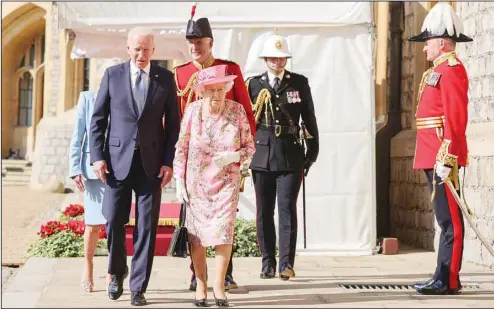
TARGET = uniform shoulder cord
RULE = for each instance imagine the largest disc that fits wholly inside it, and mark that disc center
(263, 100)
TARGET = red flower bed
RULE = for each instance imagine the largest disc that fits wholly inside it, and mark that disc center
(102, 232)
(74, 210)
(50, 228)
(76, 226)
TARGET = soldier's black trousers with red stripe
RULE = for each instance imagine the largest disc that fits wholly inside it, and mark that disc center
(450, 220)
(269, 186)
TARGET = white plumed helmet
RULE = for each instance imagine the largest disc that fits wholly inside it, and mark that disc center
(442, 22)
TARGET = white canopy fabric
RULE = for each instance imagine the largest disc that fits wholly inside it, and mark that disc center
(101, 27)
(331, 44)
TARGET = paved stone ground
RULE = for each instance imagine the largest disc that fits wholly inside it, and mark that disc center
(7, 273)
(55, 283)
(23, 212)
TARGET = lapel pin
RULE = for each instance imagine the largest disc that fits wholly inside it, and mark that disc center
(288, 76)
(263, 77)
(156, 75)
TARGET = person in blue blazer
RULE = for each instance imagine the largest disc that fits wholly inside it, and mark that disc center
(85, 179)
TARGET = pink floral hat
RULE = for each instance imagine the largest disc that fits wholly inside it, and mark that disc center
(213, 75)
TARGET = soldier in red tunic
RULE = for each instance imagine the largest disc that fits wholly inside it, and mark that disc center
(441, 149)
(200, 42)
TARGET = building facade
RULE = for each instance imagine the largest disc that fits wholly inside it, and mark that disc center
(41, 84)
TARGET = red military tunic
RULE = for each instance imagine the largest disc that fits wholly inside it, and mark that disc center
(442, 115)
(185, 77)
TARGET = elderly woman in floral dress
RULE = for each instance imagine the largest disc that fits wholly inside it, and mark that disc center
(214, 140)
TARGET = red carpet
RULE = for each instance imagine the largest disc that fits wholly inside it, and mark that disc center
(169, 213)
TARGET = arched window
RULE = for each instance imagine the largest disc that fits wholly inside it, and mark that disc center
(26, 100)
(30, 63)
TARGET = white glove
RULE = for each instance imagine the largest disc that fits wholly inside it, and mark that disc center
(244, 167)
(225, 158)
(442, 171)
(181, 192)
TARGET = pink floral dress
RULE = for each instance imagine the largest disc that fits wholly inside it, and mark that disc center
(213, 192)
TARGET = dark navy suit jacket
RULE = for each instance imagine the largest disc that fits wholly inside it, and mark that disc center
(115, 101)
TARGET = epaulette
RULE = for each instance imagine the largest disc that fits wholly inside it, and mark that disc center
(452, 62)
(227, 61)
(180, 65)
(247, 81)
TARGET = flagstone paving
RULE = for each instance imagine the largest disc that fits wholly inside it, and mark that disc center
(55, 283)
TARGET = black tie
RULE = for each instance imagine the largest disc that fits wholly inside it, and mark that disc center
(276, 83)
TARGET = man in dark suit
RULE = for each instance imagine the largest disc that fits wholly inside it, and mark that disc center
(281, 99)
(136, 154)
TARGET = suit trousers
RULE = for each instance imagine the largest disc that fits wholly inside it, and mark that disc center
(285, 186)
(116, 209)
(450, 220)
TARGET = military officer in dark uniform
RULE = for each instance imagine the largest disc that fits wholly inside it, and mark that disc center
(282, 105)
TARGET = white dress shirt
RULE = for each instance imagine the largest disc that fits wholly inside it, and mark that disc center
(271, 77)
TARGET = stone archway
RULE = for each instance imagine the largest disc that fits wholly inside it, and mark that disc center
(23, 32)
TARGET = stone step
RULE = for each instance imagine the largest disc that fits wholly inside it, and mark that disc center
(16, 176)
(6, 163)
(11, 182)
(16, 167)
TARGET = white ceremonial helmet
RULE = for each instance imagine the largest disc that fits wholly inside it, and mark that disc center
(275, 46)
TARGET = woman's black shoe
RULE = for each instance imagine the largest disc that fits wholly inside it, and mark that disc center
(200, 303)
(221, 302)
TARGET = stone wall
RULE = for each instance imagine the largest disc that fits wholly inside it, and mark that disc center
(478, 58)
(412, 218)
(53, 136)
(407, 67)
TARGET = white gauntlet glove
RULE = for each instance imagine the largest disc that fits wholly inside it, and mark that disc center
(225, 158)
(442, 171)
(244, 167)
(181, 192)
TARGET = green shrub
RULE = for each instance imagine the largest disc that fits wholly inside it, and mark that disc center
(63, 244)
(245, 244)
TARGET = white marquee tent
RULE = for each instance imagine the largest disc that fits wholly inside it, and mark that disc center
(331, 44)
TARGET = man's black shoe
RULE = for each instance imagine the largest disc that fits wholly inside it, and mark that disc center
(437, 288)
(287, 272)
(138, 299)
(268, 273)
(193, 284)
(230, 284)
(421, 285)
(115, 288)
